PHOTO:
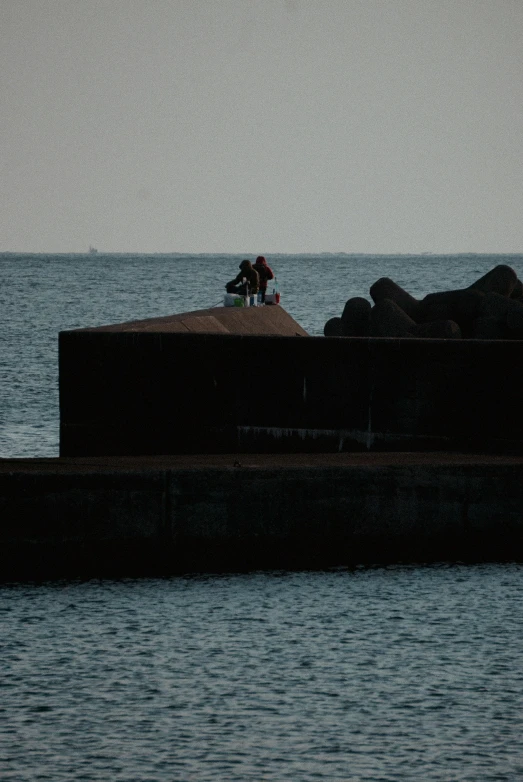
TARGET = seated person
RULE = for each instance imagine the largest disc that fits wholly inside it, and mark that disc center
(265, 272)
(246, 283)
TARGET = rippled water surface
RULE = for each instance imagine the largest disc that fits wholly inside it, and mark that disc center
(377, 674)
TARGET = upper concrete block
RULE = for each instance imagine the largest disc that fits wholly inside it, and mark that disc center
(183, 384)
(257, 321)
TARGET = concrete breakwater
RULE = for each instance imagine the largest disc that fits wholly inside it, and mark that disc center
(231, 440)
(226, 381)
(156, 516)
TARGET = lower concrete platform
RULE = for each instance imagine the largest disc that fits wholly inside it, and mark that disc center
(161, 515)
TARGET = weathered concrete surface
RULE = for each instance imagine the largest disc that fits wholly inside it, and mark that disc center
(385, 288)
(164, 515)
(268, 320)
(154, 392)
(333, 328)
(355, 318)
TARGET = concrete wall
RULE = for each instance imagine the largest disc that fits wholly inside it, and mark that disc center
(73, 518)
(147, 391)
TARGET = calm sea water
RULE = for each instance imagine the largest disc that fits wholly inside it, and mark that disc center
(383, 675)
(379, 674)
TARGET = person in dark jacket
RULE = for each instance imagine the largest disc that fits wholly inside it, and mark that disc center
(265, 272)
(248, 278)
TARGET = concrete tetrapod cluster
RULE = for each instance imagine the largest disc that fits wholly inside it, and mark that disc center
(490, 308)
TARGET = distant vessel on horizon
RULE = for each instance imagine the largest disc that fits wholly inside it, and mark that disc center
(92, 250)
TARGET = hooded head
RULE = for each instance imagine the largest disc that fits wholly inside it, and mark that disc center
(261, 260)
(245, 265)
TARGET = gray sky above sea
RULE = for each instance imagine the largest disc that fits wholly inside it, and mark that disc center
(380, 126)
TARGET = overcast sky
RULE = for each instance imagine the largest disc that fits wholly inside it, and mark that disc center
(261, 125)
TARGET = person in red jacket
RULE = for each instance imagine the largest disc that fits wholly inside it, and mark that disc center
(265, 273)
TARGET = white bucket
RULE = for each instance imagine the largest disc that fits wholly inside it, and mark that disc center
(233, 300)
